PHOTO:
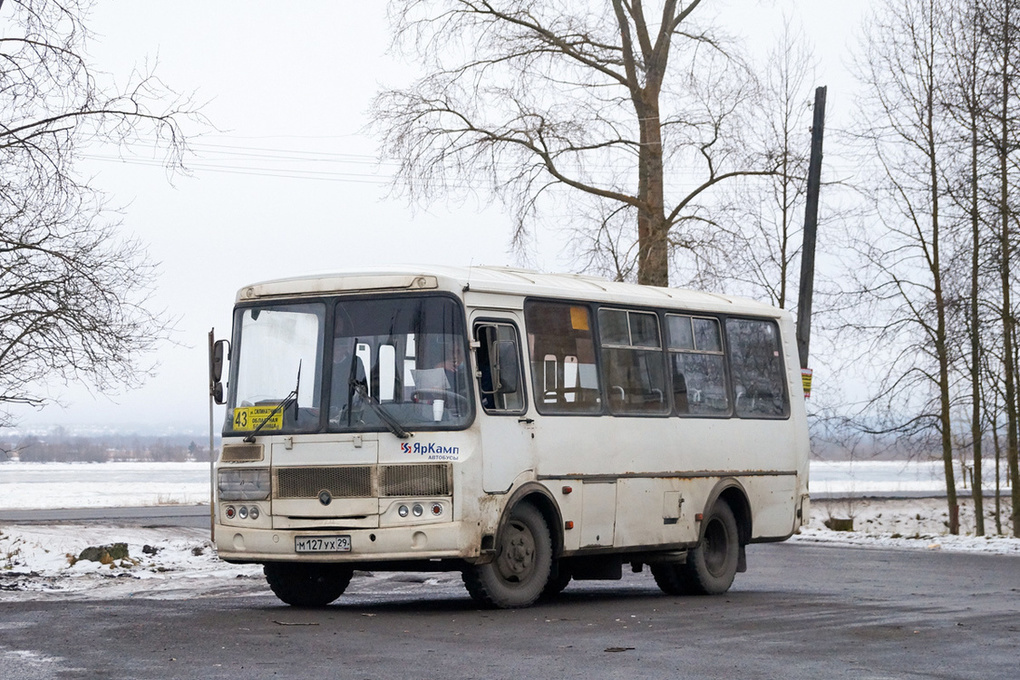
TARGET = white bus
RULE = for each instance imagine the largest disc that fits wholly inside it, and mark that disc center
(522, 428)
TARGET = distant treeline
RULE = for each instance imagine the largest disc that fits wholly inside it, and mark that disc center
(105, 448)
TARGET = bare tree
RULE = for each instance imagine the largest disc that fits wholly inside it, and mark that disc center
(903, 67)
(762, 217)
(72, 295)
(636, 114)
(966, 98)
(1000, 21)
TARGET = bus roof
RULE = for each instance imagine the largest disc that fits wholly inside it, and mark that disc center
(500, 280)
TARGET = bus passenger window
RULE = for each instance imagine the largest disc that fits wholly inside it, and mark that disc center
(757, 365)
(562, 351)
(633, 362)
(699, 372)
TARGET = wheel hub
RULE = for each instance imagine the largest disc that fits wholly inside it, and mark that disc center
(518, 555)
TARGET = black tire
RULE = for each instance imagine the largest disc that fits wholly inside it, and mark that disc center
(712, 565)
(520, 571)
(671, 578)
(307, 585)
(556, 584)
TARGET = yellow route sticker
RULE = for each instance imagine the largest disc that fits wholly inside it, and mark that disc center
(250, 417)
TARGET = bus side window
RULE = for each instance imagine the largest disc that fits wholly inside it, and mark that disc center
(499, 368)
(633, 362)
(564, 376)
(757, 368)
(698, 366)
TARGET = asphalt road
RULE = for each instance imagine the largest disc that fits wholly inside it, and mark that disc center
(801, 611)
(149, 516)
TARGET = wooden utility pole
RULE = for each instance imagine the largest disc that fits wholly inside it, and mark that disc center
(212, 450)
(807, 253)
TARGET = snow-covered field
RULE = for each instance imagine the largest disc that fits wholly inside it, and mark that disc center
(39, 561)
(31, 486)
(81, 485)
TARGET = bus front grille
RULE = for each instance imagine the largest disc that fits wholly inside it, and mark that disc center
(349, 481)
(414, 480)
(363, 481)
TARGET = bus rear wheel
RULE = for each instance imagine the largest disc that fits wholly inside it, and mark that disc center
(711, 566)
(302, 584)
(556, 584)
(523, 563)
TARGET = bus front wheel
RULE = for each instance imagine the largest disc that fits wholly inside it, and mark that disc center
(523, 563)
(711, 566)
(307, 585)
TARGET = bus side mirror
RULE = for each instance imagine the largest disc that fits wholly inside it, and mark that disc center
(507, 367)
(218, 352)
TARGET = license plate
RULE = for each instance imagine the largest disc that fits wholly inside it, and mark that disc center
(322, 544)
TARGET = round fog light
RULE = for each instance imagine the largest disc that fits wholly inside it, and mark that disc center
(402, 511)
(254, 513)
(437, 509)
(417, 510)
(243, 512)
(230, 512)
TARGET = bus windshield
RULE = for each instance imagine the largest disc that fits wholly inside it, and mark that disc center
(278, 354)
(350, 365)
(405, 355)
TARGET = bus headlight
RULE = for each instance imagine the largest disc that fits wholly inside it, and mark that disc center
(248, 484)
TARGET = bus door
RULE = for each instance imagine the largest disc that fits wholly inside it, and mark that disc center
(506, 431)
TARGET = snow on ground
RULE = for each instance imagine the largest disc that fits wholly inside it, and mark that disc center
(35, 486)
(25, 486)
(909, 523)
(163, 563)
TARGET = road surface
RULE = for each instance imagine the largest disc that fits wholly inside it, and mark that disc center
(802, 611)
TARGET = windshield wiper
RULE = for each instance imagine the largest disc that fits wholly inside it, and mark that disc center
(391, 422)
(287, 401)
(359, 386)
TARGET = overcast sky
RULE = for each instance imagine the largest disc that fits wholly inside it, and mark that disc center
(287, 184)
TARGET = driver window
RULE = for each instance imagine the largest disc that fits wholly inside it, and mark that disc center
(499, 368)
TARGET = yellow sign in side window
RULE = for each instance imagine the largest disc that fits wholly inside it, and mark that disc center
(250, 417)
(579, 318)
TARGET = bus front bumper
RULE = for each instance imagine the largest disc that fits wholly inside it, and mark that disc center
(451, 540)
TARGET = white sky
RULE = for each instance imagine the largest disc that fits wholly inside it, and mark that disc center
(298, 78)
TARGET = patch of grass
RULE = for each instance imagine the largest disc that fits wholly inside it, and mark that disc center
(9, 558)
